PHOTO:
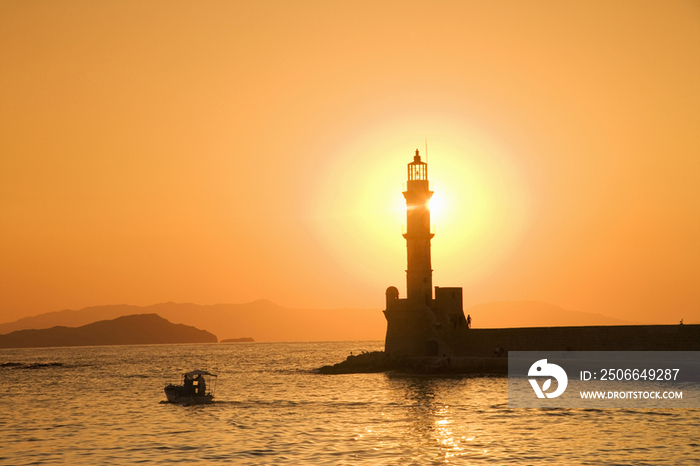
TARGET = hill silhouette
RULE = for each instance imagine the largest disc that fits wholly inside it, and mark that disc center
(504, 314)
(261, 320)
(264, 320)
(127, 330)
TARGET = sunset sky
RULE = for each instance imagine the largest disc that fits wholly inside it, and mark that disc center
(228, 151)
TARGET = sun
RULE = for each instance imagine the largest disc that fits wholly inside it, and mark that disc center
(478, 211)
(439, 206)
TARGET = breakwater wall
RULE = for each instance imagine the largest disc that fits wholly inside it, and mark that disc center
(484, 342)
(476, 351)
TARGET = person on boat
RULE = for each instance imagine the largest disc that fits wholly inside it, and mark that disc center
(188, 383)
(201, 385)
(469, 321)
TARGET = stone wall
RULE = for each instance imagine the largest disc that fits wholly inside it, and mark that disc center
(483, 342)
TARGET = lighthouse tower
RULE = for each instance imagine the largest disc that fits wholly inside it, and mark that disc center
(422, 325)
(419, 273)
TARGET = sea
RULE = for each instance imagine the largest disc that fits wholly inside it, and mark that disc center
(106, 406)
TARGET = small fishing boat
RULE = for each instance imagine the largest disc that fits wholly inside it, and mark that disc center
(197, 388)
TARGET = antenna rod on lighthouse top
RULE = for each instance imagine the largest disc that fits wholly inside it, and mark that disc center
(426, 150)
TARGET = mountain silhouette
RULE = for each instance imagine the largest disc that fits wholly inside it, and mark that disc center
(501, 314)
(140, 329)
(264, 320)
(261, 320)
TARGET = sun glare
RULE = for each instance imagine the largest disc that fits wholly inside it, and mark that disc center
(438, 206)
(478, 211)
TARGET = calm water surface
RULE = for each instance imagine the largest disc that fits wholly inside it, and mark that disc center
(103, 405)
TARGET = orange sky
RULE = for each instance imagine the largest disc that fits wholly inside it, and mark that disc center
(229, 151)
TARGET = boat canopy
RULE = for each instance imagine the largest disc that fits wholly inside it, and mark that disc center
(198, 372)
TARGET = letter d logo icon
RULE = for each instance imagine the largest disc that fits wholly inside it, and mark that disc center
(542, 368)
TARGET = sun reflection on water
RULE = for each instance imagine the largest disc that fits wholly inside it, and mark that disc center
(429, 419)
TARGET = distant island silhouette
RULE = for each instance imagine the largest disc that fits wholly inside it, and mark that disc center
(238, 340)
(267, 321)
(141, 329)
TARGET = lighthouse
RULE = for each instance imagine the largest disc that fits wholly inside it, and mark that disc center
(419, 272)
(422, 324)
